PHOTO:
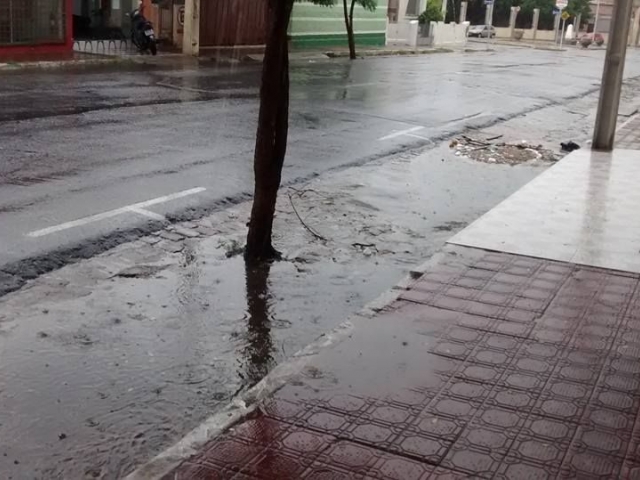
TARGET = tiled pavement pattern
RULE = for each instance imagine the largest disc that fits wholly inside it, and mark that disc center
(489, 366)
(629, 134)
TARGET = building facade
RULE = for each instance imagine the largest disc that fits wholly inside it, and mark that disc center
(36, 26)
(243, 23)
(317, 26)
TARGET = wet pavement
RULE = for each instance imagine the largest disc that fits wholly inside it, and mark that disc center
(125, 362)
(79, 143)
(489, 366)
(104, 366)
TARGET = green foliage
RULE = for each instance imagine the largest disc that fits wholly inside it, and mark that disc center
(579, 7)
(433, 12)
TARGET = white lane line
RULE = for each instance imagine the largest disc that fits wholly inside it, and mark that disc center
(184, 89)
(136, 207)
(148, 213)
(417, 136)
(358, 85)
(400, 133)
(627, 121)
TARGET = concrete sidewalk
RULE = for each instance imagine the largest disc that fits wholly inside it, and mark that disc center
(483, 364)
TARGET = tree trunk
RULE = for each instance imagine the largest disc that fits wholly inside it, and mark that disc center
(271, 137)
(348, 20)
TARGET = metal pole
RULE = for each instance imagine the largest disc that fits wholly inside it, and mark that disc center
(607, 115)
(595, 24)
(11, 39)
(491, 24)
(562, 33)
(487, 23)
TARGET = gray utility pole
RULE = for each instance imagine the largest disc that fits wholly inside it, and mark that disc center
(607, 115)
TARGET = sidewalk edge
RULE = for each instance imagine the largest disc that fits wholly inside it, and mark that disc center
(53, 64)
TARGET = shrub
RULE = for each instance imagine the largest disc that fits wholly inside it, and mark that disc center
(433, 13)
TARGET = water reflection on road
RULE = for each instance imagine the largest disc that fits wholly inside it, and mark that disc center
(258, 353)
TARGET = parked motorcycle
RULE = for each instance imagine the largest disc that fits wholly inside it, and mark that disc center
(142, 34)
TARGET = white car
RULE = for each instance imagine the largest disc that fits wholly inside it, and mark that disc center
(481, 31)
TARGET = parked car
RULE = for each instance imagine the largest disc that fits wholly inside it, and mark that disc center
(481, 31)
(597, 38)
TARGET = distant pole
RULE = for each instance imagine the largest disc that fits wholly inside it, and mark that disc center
(607, 114)
(463, 12)
(562, 33)
(488, 20)
(595, 23)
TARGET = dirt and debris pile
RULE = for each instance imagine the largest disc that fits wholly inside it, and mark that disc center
(486, 151)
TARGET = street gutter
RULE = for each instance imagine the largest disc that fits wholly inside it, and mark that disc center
(51, 64)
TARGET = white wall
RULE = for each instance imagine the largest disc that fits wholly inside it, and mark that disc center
(398, 33)
(451, 35)
(542, 35)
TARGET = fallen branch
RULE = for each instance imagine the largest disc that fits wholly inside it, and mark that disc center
(480, 148)
(309, 229)
(473, 140)
(494, 138)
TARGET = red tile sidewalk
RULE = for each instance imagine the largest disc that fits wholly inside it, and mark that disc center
(488, 366)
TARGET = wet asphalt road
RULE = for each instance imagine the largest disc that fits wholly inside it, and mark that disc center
(123, 374)
(74, 145)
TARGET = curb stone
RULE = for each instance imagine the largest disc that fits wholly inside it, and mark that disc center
(381, 53)
(17, 66)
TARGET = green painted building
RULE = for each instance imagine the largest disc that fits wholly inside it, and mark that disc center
(314, 26)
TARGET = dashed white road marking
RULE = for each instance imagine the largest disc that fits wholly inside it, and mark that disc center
(400, 133)
(417, 136)
(358, 85)
(148, 213)
(183, 88)
(627, 121)
(139, 208)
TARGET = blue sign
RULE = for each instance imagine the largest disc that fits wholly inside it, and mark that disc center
(556, 10)
(488, 2)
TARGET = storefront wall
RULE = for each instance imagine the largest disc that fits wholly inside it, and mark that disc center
(35, 26)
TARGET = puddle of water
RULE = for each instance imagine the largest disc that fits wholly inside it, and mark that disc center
(100, 372)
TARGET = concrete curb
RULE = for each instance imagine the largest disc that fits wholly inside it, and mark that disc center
(317, 55)
(389, 52)
(46, 64)
(243, 405)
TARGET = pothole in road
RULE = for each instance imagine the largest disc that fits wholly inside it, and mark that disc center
(486, 151)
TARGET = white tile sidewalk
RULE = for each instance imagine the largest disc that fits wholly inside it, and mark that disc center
(583, 210)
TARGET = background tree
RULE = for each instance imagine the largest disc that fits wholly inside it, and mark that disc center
(433, 12)
(369, 5)
(348, 7)
(579, 7)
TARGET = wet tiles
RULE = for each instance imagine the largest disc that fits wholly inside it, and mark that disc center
(582, 210)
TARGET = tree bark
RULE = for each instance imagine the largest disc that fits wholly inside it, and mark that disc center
(271, 137)
(348, 20)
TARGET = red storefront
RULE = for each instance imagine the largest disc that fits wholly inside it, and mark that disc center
(36, 26)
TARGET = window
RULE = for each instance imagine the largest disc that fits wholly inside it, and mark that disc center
(31, 22)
